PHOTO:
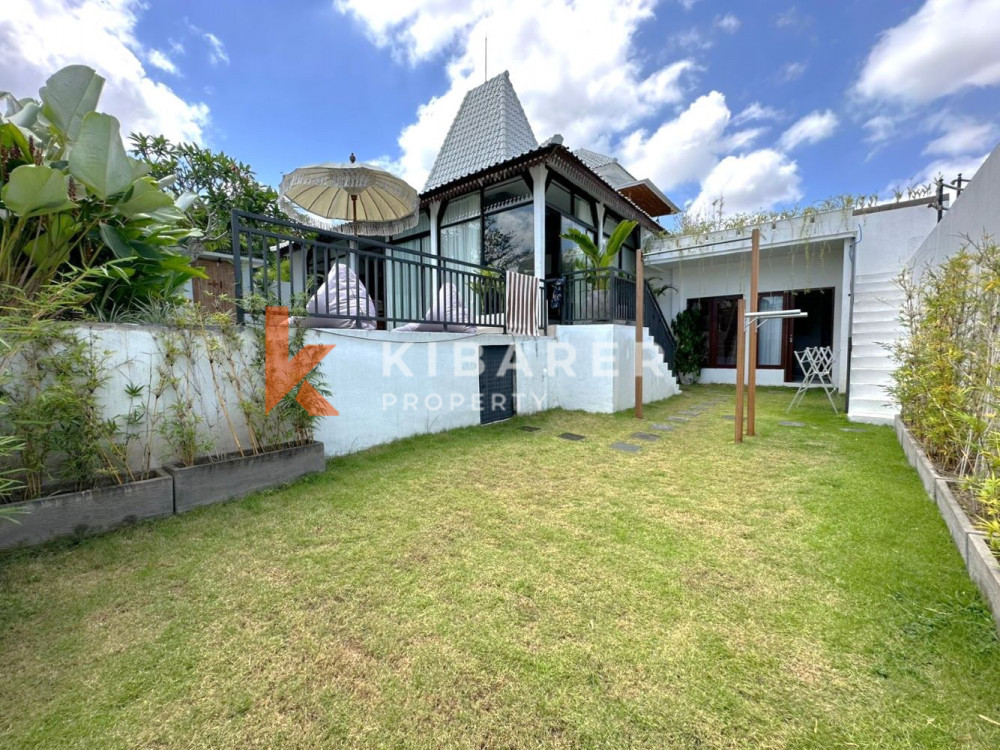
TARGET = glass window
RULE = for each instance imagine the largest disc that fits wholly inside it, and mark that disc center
(724, 334)
(626, 257)
(461, 242)
(423, 227)
(769, 333)
(582, 210)
(461, 209)
(718, 321)
(559, 198)
(506, 194)
(571, 257)
(509, 240)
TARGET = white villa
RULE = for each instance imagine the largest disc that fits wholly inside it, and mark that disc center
(498, 200)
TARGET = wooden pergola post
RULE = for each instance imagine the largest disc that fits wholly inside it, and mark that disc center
(740, 354)
(752, 373)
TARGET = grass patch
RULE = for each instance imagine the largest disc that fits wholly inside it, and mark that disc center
(497, 587)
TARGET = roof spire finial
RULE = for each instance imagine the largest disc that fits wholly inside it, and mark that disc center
(353, 158)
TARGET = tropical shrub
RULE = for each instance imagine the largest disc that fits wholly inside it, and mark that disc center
(948, 377)
(595, 260)
(220, 182)
(73, 202)
(50, 375)
(689, 345)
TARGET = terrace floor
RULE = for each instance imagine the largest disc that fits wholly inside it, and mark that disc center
(498, 587)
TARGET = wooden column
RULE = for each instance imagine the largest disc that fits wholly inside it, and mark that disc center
(752, 374)
(740, 354)
(639, 288)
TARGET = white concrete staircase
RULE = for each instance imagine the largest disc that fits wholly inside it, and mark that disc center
(877, 301)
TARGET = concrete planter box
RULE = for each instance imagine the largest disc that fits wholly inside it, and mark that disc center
(89, 511)
(216, 481)
(983, 568)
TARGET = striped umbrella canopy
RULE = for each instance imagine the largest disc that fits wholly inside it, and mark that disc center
(373, 201)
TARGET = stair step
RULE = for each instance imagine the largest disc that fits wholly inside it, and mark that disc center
(880, 287)
(876, 326)
(875, 304)
(870, 277)
(873, 349)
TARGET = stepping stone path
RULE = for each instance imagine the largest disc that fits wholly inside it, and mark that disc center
(648, 436)
(625, 447)
(679, 419)
(527, 428)
(852, 429)
(792, 424)
(571, 436)
(662, 427)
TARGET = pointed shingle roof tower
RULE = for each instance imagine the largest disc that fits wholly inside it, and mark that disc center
(490, 128)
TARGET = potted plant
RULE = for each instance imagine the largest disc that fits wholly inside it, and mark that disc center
(689, 352)
(278, 446)
(596, 266)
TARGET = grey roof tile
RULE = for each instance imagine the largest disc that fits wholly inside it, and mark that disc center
(490, 128)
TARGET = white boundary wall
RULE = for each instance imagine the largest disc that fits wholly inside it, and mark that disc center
(388, 386)
(974, 215)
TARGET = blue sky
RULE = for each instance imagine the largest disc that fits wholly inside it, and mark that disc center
(765, 103)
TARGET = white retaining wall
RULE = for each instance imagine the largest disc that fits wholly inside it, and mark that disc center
(388, 386)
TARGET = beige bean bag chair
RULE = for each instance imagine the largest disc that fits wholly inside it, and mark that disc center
(447, 307)
(344, 295)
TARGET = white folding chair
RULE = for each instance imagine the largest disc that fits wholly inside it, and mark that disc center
(817, 369)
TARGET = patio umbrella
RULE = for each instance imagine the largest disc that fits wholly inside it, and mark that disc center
(374, 201)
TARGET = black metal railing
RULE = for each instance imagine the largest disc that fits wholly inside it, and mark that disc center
(598, 295)
(332, 274)
(659, 329)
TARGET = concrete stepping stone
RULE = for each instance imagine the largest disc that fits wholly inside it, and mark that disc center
(790, 423)
(853, 429)
(647, 436)
(571, 436)
(528, 428)
(626, 447)
(678, 419)
(662, 427)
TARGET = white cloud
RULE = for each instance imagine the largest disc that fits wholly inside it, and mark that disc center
(593, 97)
(692, 39)
(814, 127)
(159, 59)
(216, 49)
(747, 183)
(600, 99)
(962, 135)
(743, 138)
(757, 111)
(950, 168)
(682, 149)
(881, 128)
(792, 19)
(728, 23)
(792, 71)
(946, 46)
(38, 37)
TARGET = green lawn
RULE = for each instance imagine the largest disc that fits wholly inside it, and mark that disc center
(494, 587)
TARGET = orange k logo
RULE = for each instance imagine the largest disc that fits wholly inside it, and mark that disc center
(281, 374)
